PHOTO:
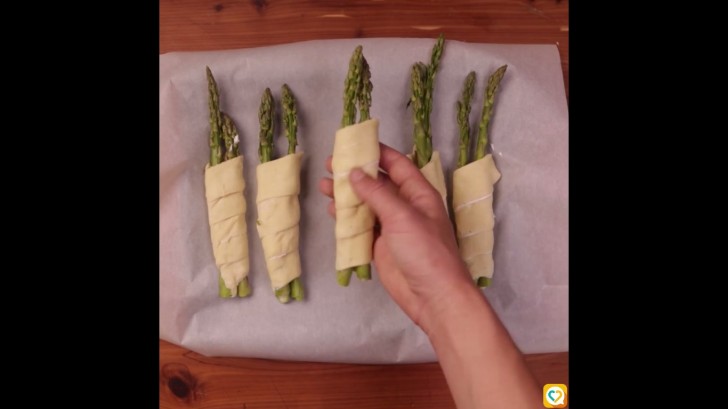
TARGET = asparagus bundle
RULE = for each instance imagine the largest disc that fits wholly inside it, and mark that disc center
(423, 85)
(355, 145)
(473, 185)
(279, 210)
(224, 187)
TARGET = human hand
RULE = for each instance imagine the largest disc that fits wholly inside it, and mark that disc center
(415, 251)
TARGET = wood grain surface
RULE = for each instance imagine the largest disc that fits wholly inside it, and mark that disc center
(194, 25)
(189, 380)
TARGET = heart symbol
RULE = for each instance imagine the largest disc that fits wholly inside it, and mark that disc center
(554, 391)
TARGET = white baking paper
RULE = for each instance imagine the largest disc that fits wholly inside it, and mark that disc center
(360, 323)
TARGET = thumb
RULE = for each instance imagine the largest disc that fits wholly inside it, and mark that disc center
(385, 203)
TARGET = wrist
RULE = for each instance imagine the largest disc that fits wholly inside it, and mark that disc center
(459, 305)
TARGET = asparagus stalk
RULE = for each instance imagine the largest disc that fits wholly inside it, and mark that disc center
(265, 117)
(464, 118)
(265, 154)
(357, 90)
(423, 85)
(290, 120)
(351, 88)
(215, 120)
(229, 136)
(435, 58)
(423, 144)
(482, 144)
(223, 146)
(364, 99)
(488, 101)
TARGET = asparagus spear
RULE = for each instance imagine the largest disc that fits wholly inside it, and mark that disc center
(351, 88)
(430, 84)
(229, 136)
(223, 146)
(265, 116)
(215, 120)
(464, 118)
(481, 147)
(488, 102)
(423, 85)
(293, 289)
(290, 120)
(364, 99)
(352, 94)
(423, 144)
(265, 154)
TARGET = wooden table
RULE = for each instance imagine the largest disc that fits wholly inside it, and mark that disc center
(187, 379)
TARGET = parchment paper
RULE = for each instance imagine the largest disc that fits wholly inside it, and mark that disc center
(359, 324)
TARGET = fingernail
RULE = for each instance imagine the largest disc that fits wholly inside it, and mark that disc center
(357, 174)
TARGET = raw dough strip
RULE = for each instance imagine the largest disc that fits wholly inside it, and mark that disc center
(355, 146)
(224, 187)
(432, 171)
(279, 214)
(474, 201)
(473, 207)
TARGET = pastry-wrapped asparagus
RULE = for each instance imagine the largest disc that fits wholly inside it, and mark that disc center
(423, 85)
(473, 185)
(224, 187)
(355, 145)
(279, 210)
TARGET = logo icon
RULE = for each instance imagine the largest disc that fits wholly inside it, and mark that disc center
(554, 395)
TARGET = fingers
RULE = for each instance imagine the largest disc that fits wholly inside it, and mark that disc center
(413, 187)
(399, 167)
(385, 202)
(409, 181)
(328, 164)
(326, 186)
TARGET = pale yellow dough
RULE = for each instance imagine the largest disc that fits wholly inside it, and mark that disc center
(224, 187)
(354, 146)
(473, 207)
(279, 213)
(432, 171)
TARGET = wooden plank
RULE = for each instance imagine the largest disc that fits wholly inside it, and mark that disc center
(190, 380)
(194, 25)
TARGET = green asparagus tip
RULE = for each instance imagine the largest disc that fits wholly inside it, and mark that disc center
(344, 276)
(265, 116)
(483, 282)
(224, 291)
(363, 272)
(352, 87)
(229, 136)
(297, 289)
(365, 91)
(284, 294)
(436, 54)
(290, 119)
(216, 142)
(463, 117)
(423, 146)
(244, 289)
(488, 103)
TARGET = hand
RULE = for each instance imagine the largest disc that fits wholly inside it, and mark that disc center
(415, 251)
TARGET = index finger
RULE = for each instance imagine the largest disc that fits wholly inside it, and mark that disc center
(411, 182)
(399, 167)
